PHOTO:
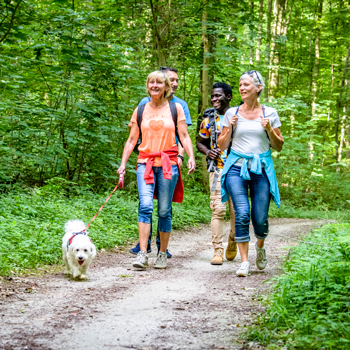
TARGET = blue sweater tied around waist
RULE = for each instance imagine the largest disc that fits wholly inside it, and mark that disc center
(256, 168)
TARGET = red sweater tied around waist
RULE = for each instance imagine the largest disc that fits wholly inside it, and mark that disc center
(166, 156)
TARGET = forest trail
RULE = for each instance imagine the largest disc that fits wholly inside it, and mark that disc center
(190, 305)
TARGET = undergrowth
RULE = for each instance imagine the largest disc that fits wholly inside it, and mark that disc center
(310, 305)
(31, 223)
(288, 210)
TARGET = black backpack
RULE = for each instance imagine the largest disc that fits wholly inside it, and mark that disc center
(140, 110)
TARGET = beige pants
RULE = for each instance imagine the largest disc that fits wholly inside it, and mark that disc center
(219, 211)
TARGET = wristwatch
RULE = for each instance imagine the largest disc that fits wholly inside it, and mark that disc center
(180, 156)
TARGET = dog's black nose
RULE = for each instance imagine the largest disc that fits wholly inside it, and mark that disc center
(81, 258)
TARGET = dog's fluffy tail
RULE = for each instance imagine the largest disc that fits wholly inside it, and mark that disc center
(74, 226)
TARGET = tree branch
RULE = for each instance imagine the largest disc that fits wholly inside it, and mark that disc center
(11, 22)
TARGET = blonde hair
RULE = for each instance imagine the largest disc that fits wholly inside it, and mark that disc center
(161, 76)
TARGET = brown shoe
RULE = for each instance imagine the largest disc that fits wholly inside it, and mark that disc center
(231, 250)
(218, 257)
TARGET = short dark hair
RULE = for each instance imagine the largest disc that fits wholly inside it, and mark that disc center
(165, 69)
(225, 87)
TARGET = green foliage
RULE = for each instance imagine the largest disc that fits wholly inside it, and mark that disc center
(31, 224)
(72, 73)
(310, 308)
(289, 210)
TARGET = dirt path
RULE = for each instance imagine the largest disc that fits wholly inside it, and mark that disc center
(190, 305)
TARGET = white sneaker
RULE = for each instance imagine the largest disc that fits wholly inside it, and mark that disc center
(161, 261)
(261, 259)
(244, 269)
(141, 260)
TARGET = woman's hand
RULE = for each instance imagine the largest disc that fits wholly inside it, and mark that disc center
(187, 144)
(233, 121)
(191, 165)
(129, 146)
(121, 169)
(265, 123)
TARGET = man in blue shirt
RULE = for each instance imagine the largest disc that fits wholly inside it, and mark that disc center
(174, 81)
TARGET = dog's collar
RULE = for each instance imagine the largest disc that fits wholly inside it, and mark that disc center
(69, 242)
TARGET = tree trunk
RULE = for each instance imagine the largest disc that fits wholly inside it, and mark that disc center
(277, 30)
(206, 59)
(268, 47)
(347, 138)
(251, 55)
(316, 70)
(161, 29)
(258, 45)
(340, 103)
(344, 127)
(205, 84)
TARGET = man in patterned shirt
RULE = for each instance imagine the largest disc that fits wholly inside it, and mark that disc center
(220, 99)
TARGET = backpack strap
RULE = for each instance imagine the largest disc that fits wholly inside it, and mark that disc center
(213, 129)
(229, 147)
(173, 111)
(263, 109)
(140, 110)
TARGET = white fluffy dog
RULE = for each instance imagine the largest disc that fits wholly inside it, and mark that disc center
(77, 248)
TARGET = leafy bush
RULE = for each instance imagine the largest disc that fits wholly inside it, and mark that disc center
(310, 306)
(289, 210)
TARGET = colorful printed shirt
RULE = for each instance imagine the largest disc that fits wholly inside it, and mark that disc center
(205, 133)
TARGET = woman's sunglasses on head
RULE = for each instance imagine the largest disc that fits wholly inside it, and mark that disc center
(251, 72)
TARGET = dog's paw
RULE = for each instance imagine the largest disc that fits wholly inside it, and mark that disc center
(82, 277)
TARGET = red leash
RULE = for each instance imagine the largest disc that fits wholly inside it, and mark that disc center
(120, 185)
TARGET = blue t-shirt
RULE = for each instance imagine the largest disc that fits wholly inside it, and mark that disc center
(175, 99)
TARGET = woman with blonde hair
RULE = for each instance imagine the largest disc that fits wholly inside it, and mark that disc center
(158, 173)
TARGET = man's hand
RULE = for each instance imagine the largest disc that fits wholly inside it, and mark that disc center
(265, 123)
(214, 153)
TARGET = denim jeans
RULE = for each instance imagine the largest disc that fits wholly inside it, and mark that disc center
(260, 199)
(165, 196)
(150, 236)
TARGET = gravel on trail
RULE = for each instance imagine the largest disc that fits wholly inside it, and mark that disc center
(190, 305)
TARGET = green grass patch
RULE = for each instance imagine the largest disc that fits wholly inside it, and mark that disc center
(288, 210)
(31, 223)
(310, 305)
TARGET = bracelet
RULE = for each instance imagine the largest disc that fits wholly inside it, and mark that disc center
(180, 156)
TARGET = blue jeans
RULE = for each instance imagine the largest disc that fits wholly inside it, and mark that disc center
(165, 196)
(150, 236)
(259, 186)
